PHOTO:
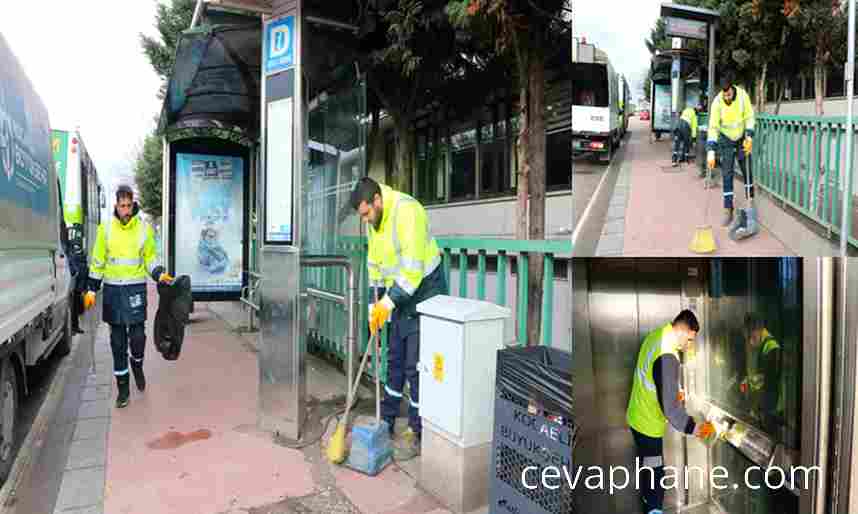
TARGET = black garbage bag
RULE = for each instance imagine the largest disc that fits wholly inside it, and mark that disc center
(175, 303)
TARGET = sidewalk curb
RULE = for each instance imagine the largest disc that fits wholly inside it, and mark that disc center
(29, 451)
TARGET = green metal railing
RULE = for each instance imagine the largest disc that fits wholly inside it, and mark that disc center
(800, 160)
(327, 334)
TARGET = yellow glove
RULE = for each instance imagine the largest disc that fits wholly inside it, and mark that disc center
(380, 314)
(165, 278)
(748, 145)
(710, 159)
(88, 300)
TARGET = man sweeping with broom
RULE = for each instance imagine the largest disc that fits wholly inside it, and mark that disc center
(730, 118)
(405, 269)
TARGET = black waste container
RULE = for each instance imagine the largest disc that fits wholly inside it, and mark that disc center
(534, 432)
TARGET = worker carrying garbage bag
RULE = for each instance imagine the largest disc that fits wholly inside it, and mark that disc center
(656, 400)
(123, 254)
(731, 133)
(684, 134)
(404, 269)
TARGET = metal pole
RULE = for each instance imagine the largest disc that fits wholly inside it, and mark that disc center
(850, 94)
(711, 89)
(197, 12)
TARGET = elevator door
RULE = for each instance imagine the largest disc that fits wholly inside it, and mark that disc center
(627, 300)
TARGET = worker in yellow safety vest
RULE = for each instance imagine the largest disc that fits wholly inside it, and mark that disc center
(731, 133)
(763, 384)
(405, 269)
(123, 255)
(683, 134)
(656, 399)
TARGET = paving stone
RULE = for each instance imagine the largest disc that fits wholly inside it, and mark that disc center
(81, 488)
(86, 453)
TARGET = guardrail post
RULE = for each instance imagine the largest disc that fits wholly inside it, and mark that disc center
(548, 299)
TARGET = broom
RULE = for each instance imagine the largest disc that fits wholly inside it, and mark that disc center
(704, 240)
(337, 444)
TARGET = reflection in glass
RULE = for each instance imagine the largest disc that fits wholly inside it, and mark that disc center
(755, 327)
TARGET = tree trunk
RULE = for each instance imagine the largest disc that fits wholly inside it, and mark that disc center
(817, 185)
(537, 187)
(761, 89)
(522, 188)
(781, 88)
(404, 154)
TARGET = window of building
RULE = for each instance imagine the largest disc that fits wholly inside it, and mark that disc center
(809, 88)
(558, 160)
(494, 153)
(771, 91)
(463, 161)
(835, 85)
(795, 92)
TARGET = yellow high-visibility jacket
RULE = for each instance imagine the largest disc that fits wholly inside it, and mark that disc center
(402, 252)
(731, 120)
(124, 254)
(690, 115)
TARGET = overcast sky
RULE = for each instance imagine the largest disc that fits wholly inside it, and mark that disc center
(85, 61)
(619, 27)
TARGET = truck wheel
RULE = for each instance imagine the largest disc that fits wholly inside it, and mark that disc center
(63, 346)
(8, 417)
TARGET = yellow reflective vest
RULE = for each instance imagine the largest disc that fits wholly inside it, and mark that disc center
(123, 254)
(731, 120)
(402, 252)
(690, 115)
(644, 413)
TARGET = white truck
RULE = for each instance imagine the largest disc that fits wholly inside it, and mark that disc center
(35, 279)
(596, 126)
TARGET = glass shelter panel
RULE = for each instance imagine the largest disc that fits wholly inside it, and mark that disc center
(755, 362)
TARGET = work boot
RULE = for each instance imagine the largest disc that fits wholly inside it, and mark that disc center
(737, 222)
(406, 446)
(728, 217)
(139, 377)
(122, 383)
(391, 427)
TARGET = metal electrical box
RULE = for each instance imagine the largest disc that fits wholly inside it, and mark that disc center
(459, 339)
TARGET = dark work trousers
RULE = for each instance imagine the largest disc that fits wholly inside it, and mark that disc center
(681, 140)
(123, 336)
(728, 152)
(403, 351)
(650, 454)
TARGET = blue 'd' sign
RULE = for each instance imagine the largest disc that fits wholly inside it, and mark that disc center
(280, 45)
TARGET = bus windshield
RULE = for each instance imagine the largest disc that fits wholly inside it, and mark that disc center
(590, 85)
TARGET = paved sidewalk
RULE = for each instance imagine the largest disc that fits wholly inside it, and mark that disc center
(189, 444)
(655, 212)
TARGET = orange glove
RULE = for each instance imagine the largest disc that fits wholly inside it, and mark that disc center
(88, 300)
(710, 159)
(380, 314)
(165, 278)
(704, 430)
(743, 388)
(680, 395)
(748, 145)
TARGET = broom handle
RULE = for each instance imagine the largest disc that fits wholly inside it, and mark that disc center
(377, 373)
(354, 387)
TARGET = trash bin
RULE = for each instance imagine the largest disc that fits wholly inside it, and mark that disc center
(534, 430)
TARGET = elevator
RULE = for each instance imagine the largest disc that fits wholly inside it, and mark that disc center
(783, 413)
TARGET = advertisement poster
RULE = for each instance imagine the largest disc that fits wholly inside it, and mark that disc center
(278, 222)
(661, 119)
(209, 218)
